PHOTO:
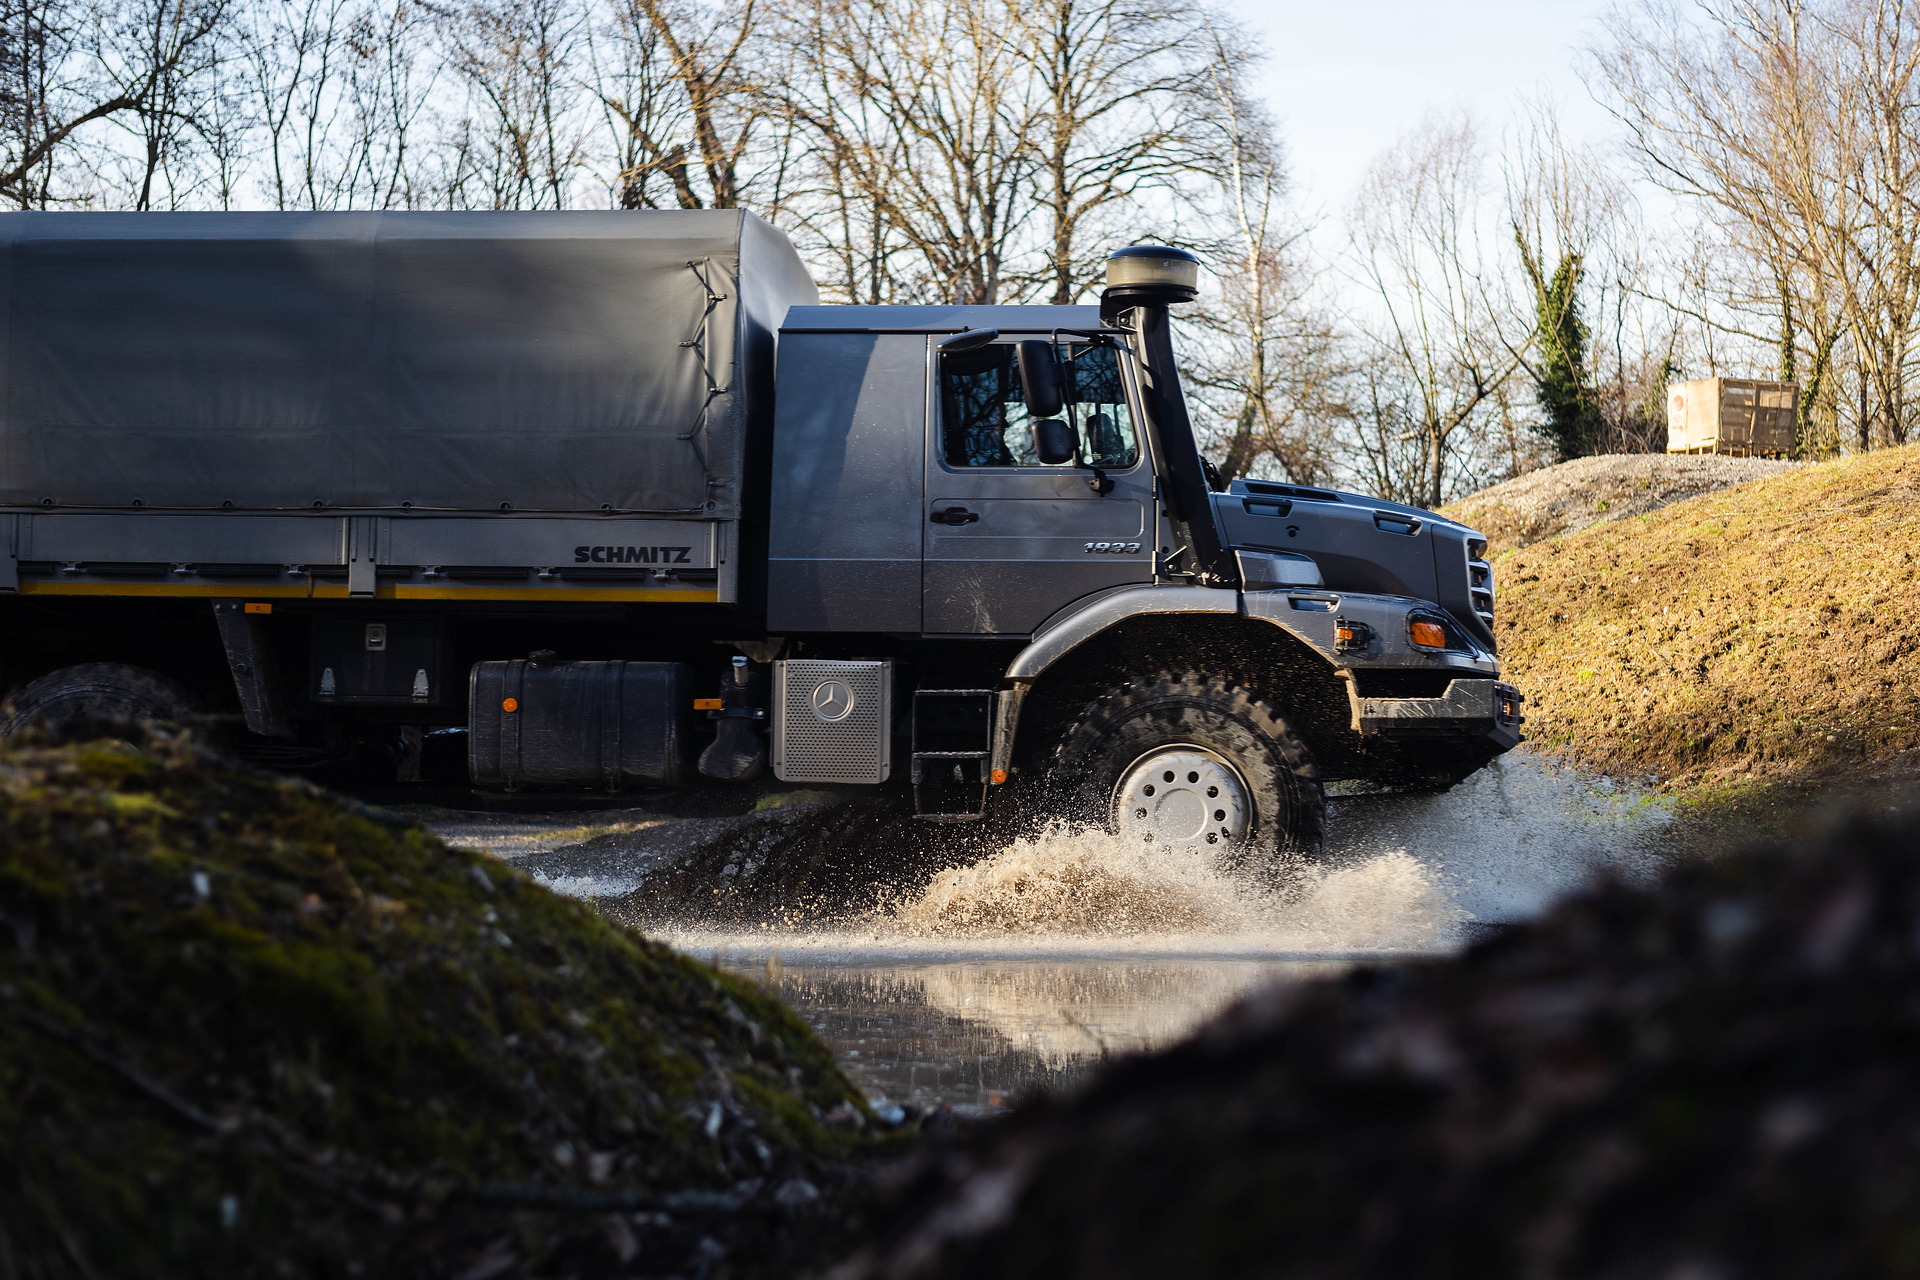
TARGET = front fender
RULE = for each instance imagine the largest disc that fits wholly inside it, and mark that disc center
(1079, 622)
(1307, 614)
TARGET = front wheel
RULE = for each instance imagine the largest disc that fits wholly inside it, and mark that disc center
(1192, 764)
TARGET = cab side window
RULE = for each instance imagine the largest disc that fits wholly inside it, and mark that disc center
(984, 420)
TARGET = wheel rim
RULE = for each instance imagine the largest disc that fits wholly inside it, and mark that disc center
(1183, 798)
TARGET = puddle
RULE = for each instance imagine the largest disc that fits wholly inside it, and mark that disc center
(978, 1034)
(1022, 967)
(514, 836)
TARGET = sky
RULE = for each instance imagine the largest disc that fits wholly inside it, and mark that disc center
(1347, 77)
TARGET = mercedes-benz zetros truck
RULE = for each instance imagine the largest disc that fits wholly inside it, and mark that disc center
(612, 494)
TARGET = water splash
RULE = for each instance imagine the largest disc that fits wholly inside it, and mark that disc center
(1401, 873)
(1080, 882)
(1516, 837)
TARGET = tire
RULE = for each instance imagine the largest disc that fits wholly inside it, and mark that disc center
(1245, 788)
(96, 700)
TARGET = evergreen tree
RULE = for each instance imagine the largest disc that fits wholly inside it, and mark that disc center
(1570, 403)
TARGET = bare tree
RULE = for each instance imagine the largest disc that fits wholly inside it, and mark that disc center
(643, 111)
(1268, 365)
(705, 46)
(845, 151)
(923, 119)
(1791, 125)
(1602, 348)
(522, 141)
(46, 93)
(392, 81)
(64, 67)
(1432, 314)
(1124, 87)
(292, 54)
(164, 56)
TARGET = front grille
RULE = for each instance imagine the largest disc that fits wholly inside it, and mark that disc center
(853, 747)
(1480, 586)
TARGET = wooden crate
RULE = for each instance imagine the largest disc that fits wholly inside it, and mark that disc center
(1732, 415)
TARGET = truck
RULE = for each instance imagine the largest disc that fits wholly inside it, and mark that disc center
(609, 499)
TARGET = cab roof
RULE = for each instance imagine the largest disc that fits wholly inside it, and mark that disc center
(914, 319)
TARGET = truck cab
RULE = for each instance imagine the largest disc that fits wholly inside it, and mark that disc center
(1117, 610)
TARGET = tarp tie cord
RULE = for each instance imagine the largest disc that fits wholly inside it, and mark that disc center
(700, 267)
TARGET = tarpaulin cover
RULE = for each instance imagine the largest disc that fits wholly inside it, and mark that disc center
(553, 361)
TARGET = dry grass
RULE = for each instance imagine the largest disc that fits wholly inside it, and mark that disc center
(1588, 491)
(1766, 630)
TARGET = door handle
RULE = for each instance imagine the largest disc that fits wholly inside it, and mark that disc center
(954, 515)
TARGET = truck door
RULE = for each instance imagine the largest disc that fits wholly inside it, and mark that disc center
(1007, 540)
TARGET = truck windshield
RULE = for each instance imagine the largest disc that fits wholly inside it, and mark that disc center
(984, 420)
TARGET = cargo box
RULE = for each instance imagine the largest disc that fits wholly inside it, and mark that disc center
(422, 405)
(1737, 416)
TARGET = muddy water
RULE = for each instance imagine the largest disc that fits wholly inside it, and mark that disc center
(1025, 966)
(977, 1033)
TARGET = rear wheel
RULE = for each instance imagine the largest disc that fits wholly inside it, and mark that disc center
(96, 699)
(1191, 763)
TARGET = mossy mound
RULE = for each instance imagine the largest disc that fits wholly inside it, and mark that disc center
(1767, 629)
(1710, 1079)
(250, 1028)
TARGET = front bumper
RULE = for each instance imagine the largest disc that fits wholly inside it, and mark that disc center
(1474, 705)
(1475, 708)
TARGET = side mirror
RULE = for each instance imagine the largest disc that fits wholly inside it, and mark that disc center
(1040, 380)
(1052, 440)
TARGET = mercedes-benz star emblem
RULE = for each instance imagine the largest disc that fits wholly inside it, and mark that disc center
(832, 700)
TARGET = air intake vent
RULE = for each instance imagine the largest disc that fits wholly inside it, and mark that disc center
(1480, 588)
(833, 721)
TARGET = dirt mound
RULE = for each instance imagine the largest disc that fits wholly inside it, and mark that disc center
(1588, 491)
(1769, 627)
(1712, 1079)
(247, 1028)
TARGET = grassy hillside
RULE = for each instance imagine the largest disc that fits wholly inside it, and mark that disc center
(247, 1028)
(1768, 629)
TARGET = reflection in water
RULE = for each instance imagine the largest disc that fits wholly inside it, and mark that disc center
(981, 1033)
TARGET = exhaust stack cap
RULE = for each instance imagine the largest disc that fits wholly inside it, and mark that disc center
(1151, 275)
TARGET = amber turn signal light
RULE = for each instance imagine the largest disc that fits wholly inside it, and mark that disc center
(1428, 635)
